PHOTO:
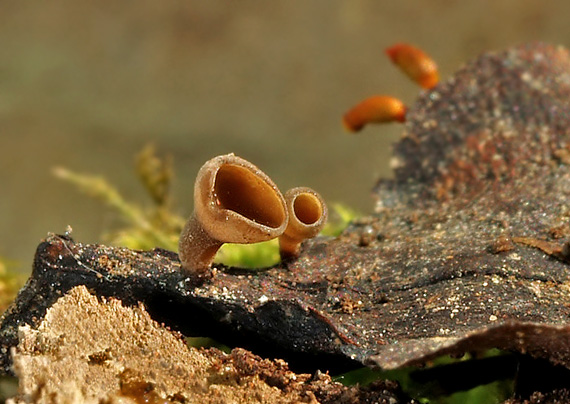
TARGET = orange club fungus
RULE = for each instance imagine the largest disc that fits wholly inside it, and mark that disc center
(378, 108)
(415, 63)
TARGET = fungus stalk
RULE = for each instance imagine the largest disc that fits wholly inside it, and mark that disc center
(234, 202)
(307, 216)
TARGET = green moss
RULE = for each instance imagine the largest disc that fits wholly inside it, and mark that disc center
(10, 282)
(431, 392)
(258, 255)
(492, 393)
(205, 342)
(339, 218)
(142, 228)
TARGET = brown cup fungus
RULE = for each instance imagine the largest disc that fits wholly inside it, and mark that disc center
(234, 202)
(307, 216)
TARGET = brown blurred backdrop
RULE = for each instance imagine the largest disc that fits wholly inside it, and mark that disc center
(85, 84)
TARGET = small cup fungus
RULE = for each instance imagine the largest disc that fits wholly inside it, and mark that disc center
(307, 216)
(234, 202)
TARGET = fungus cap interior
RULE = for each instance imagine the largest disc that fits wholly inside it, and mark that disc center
(307, 208)
(242, 191)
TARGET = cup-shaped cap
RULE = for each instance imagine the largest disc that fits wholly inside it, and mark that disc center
(236, 202)
(307, 216)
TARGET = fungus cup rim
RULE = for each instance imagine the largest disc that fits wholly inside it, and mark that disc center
(231, 226)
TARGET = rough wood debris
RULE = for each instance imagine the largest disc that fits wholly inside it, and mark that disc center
(467, 249)
(90, 351)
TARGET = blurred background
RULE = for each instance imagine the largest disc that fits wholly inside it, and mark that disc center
(86, 85)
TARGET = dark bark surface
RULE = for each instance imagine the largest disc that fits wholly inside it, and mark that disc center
(467, 249)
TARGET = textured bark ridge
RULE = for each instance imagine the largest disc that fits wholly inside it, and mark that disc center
(467, 249)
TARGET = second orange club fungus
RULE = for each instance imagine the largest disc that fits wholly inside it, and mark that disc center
(378, 108)
(417, 65)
